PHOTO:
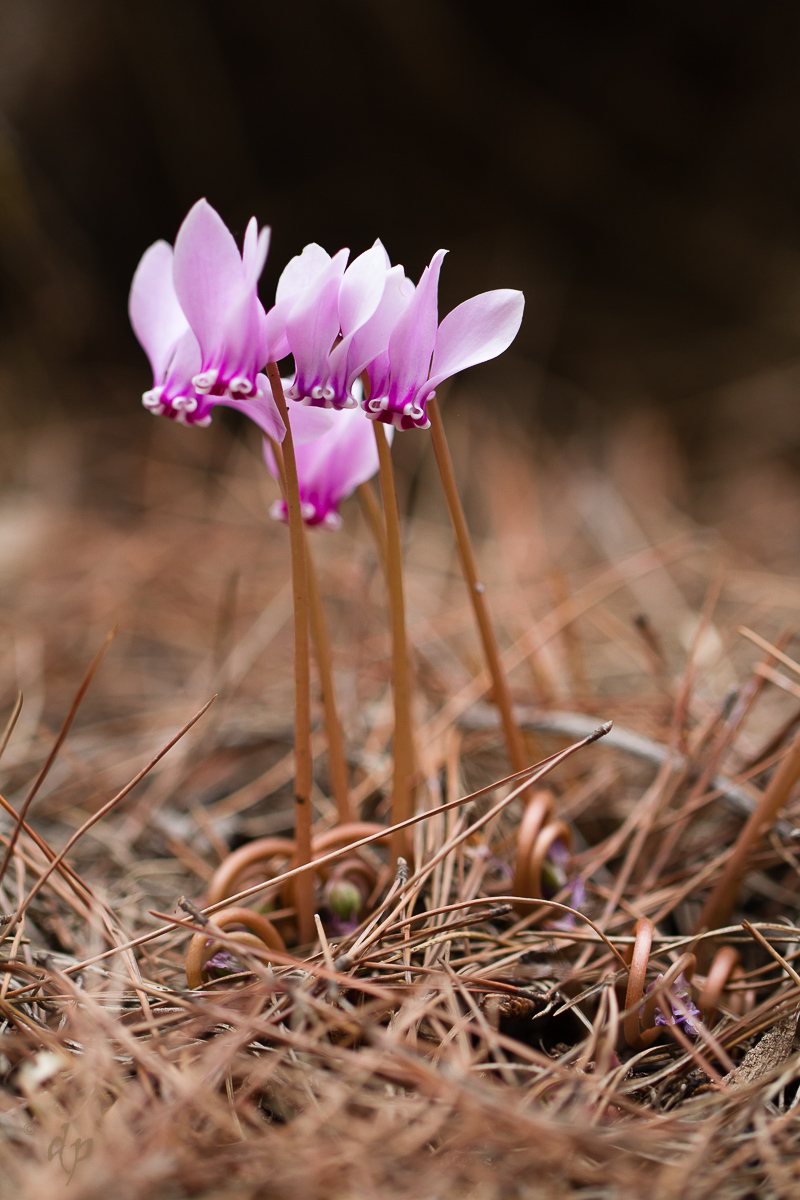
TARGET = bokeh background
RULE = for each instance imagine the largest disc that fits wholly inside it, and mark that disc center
(635, 169)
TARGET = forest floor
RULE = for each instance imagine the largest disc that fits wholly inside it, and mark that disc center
(481, 1051)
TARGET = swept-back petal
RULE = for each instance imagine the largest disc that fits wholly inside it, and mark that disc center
(297, 277)
(243, 338)
(414, 336)
(372, 339)
(361, 299)
(156, 316)
(351, 456)
(263, 411)
(183, 365)
(312, 327)
(361, 288)
(254, 251)
(309, 423)
(275, 340)
(299, 272)
(208, 273)
(330, 467)
(474, 332)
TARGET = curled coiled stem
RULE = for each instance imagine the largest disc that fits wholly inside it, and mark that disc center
(349, 884)
(537, 838)
(641, 1027)
(724, 970)
(259, 932)
(248, 865)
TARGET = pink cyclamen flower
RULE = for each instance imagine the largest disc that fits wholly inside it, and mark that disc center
(216, 288)
(330, 464)
(173, 347)
(335, 320)
(421, 354)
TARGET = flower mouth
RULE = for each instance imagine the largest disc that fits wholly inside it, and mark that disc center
(318, 396)
(186, 410)
(312, 514)
(152, 401)
(406, 416)
(186, 404)
(204, 381)
(240, 385)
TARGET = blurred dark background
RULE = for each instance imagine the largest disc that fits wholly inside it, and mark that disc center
(634, 168)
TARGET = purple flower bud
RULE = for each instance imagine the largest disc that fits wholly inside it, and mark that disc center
(682, 991)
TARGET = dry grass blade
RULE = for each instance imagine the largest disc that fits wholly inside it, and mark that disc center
(51, 758)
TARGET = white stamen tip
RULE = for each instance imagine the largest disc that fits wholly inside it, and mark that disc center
(240, 385)
(185, 403)
(332, 520)
(205, 380)
(152, 399)
(307, 511)
(278, 511)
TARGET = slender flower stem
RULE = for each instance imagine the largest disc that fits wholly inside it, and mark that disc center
(500, 692)
(720, 903)
(337, 763)
(403, 736)
(374, 517)
(302, 670)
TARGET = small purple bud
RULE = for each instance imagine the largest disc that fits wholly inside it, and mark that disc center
(682, 991)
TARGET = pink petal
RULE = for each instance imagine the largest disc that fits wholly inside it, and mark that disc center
(254, 251)
(313, 323)
(156, 316)
(360, 297)
(299, 272)
(208, 273)
(333, 466)
(414, 336)
(242, 336)
(275, 340)
(308, 423)
(372, 339)
(474, 332)
(361, 288)
(184, 364)
(269, 459)
(263, 411)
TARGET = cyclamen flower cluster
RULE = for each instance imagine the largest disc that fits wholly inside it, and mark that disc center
(197, 315)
